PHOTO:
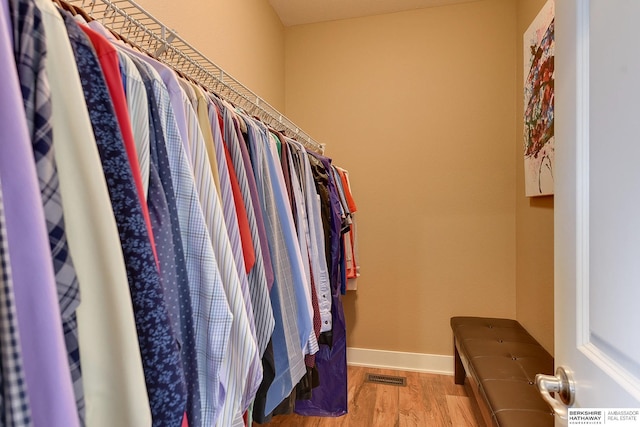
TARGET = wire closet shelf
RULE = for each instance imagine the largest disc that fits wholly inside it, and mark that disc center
(139, 28)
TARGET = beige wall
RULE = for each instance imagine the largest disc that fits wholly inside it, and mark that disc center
(245, 38)
(419, 106)
(534, 220)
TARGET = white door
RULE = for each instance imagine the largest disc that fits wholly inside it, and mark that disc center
(597, 200)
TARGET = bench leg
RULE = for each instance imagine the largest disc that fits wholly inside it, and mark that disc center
(459, 367)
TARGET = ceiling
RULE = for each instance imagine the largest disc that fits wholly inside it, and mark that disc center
(296, 12)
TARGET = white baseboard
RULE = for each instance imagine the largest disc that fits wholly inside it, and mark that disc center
(419, 362)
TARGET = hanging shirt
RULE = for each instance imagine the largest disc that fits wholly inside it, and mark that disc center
(352, 268)
(258, 277)
(162, 364)
(301, 225)
(46, 370)
(200, 105)
(110, 66)
(295, 165)
(113, 380)
(330, 397)
(31, 52)
(283, 157)
(302, 228)
(318, 260)
(321, 182)
(16, 410)
(258, 296)
(242, 216)
(346, 184)
(237, 148)
(336, 223)
(289, 337)
(136, 95)
(212, 316)
(242, 350)
(178, 268)
(302, 286)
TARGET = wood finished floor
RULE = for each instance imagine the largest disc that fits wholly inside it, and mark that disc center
(428, 400)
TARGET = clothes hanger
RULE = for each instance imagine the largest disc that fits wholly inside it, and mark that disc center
(118, 36)
(180, 73)
(81, 12)
(68, 7)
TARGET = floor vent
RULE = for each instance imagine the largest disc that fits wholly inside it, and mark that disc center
(386, 379)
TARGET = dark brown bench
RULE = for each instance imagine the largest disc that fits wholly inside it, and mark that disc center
(500, 359)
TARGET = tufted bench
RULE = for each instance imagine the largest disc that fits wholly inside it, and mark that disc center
(500, 360)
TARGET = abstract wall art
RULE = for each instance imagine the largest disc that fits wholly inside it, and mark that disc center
(538, 103)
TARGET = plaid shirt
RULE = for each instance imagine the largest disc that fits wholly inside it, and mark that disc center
(14, 401)
(30, 51)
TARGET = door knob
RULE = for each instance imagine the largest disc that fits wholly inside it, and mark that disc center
(562, 384)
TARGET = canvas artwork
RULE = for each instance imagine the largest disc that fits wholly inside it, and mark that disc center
(538, 103)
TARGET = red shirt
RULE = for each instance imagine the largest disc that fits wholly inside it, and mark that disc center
(241, 212)
(108, 57)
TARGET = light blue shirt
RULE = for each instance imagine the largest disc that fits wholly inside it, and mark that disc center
(300, 284)
(138, 113)
(303, 288)
(292, 331)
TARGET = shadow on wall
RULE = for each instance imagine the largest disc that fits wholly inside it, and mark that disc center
(545, 202)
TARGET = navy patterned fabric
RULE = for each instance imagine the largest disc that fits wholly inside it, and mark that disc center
(161, 226)
(170, 248)
(158, 344)
(15, 410)
(30, 52)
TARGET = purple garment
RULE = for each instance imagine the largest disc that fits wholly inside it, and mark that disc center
(45, 358)
(330, 397)
(336, 225)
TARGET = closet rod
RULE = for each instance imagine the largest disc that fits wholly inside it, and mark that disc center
(139, 28)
